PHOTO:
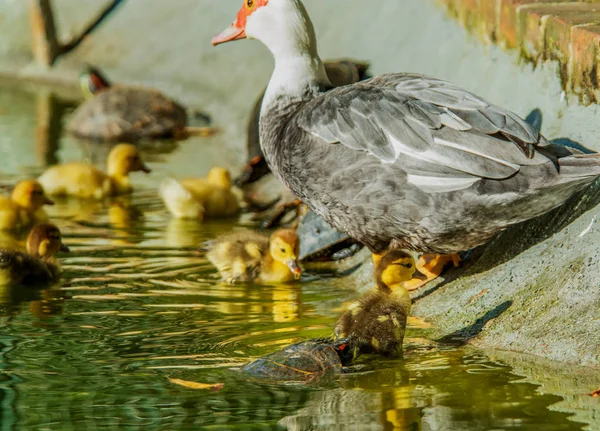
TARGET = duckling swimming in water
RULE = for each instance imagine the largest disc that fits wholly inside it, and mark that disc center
(38, 265)
(377, 321)
(24, 207)
(253, 257)
(197, 198)
(84, 180)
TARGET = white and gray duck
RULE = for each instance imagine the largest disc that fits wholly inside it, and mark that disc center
(399, 161)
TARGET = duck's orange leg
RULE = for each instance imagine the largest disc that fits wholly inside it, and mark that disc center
(431, 266)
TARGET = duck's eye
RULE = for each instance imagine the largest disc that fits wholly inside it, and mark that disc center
(283, 250)
(250, 3)
(407, 265)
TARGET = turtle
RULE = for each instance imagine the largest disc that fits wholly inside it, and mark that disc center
(316, 360)
(114, 113)
(321, 242)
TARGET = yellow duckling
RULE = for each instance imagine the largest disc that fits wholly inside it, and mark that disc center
(197, 198)
(38, 265)
(377, 321)
(83, 180)
(24, 207)
(251, 256)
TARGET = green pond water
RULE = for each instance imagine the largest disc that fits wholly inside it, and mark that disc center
(140, 305)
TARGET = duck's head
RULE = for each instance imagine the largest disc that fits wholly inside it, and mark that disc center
(125, 158)
(30, 194)
(92, 81)
(284, 247)
(395, 267)
(220, 177)
(44, 241)
(282, 25)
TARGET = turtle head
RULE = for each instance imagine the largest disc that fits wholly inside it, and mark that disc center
(347, 350)
(92, 81)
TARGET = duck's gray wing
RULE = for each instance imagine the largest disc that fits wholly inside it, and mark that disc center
(437, 132)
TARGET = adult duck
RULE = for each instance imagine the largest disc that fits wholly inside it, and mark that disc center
(114, 113)
(399, 160)
(341, 72)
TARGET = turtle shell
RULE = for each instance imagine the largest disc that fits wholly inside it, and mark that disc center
(306, 361)
(318, 240)
(121, 114)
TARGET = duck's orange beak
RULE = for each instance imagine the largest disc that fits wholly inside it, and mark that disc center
(295, 268)
(233, 32)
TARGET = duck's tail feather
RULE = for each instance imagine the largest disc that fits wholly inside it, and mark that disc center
(580, 166)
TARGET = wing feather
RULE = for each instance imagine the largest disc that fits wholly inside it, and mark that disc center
(407, 118)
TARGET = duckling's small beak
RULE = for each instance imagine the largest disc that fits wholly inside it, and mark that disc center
(48, 201)
(64, 248)
(295, 268)
(145, 169)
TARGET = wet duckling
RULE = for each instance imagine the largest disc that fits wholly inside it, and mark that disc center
(24, 207)
(253, 257)
(197, 198)
(377, 321)
(38, 265)
(84, 180)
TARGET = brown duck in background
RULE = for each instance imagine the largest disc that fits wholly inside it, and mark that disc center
(377, 321)
(253, 257)
(84, 180)
(38, 265)
(114, 113)
(199, 198)
(24, 208)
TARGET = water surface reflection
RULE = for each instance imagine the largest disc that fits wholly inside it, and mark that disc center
(140, 303)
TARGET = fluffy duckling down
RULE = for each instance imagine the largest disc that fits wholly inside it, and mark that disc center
(37, 266)
(377, 321)
(83, 180)
(197, 198)
(253, 257)
(24, 207)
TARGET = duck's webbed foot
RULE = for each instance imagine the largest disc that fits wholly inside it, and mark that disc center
(281, 212)
(431, 267)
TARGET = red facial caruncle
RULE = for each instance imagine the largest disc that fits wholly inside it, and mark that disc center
(237, 30)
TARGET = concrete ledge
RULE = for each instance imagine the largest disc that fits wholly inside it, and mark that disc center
(561, 30)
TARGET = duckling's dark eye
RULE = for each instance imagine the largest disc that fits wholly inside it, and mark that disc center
(283, 250)
(250, 3)
(407, 265)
